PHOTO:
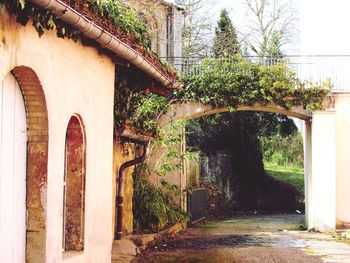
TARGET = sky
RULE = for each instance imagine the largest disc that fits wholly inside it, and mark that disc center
(323, 24)
(239, 15)
(324, 27)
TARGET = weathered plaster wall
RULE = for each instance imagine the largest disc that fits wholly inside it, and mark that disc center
(76, 80)
(328, 180)
(124, 153)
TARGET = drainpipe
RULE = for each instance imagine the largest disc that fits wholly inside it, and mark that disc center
(140, 139)
(90, 30)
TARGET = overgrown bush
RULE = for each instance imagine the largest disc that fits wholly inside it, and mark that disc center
(283, 150)
(155, 208)
(229, 82)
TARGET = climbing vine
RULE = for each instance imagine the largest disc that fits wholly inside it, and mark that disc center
(235, 81)
(41, 19)
(107, 12)
(229, 82)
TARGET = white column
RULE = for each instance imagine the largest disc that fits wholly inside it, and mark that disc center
(308, 173)
(342, 106)
(323, 184)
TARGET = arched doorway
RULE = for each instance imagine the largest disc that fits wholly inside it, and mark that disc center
(183, 111)
(74, 190)
(13, 153)
(36, 163)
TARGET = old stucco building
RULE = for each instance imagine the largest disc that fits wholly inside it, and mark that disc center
(164, 20)
(56, 137)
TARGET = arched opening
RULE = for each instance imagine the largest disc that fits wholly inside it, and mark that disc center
(36, 161)
(191, 110)
(74, 186)
(248, 161)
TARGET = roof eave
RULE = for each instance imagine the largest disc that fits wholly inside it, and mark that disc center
(92, 31)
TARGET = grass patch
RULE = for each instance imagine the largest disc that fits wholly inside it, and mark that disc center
(209, 225)
(291, 175)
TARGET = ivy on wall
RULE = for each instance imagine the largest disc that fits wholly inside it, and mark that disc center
(228, 82)
(124, 19)
(41, 19)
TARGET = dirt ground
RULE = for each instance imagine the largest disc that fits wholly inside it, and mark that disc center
(260, 239)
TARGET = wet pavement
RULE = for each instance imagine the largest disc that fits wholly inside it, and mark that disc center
(260, 239)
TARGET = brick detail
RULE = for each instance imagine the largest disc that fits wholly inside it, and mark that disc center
(37, 151)
(34, 99)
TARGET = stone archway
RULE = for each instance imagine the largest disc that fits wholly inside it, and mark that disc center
(37, 157)
(193, 109)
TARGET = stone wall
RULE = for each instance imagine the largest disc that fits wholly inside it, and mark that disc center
(213, 170)
(216, 168)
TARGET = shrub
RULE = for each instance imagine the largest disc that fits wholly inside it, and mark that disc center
(283, 150)
(155, 208)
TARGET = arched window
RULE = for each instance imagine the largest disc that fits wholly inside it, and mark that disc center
(74, 190)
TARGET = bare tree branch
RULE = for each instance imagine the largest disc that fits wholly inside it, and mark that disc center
(270, 17)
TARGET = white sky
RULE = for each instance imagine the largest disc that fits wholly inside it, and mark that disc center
(324, 24)
(324, 27)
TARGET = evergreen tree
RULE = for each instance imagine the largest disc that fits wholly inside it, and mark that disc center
(225, 41)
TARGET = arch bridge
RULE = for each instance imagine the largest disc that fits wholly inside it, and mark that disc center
(326, 138)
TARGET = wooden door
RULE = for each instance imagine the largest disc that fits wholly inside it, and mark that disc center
(13, 148)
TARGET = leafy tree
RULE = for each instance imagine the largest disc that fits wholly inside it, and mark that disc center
(225, 41)
(274, 47)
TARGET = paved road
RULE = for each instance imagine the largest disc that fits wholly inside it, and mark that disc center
(260, 239)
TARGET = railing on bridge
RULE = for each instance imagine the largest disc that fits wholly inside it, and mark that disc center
(335, 68)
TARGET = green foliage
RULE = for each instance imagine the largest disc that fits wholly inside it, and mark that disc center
(155, 208)
(173, 158)
(224, 131)
(120, 17)
(225, 41)
(235, 81)
(227, 82)
(274, 48)
(283, 150)
(138, 109)
(292, 175)
(42, 19)
(125, 18)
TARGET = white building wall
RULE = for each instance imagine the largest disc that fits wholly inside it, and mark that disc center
(322, 208)
(76, 80)
(342, 106)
